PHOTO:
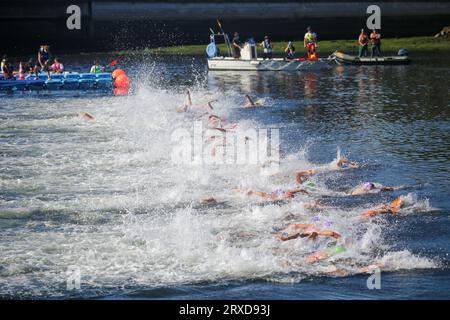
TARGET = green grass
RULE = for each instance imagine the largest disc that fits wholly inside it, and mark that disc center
(424, 44)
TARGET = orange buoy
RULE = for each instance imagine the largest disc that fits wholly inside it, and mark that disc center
(122, 81)
(121, 85)
(120, 91)
(117, 73)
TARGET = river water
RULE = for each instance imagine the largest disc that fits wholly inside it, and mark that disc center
(100, 209)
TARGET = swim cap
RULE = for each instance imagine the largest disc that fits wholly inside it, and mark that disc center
(369, 185)
(289, 194)
(311, 184)
(339, 249)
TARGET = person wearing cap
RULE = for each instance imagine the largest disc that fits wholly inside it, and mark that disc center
(363, 42)
(278, 194)
(237, 46)
(375, 40)
(290, 51)
(302, 230)
(371, 187)
(391, 208)
(268, 48)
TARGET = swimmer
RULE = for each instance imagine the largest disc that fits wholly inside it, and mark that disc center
(392, 208)
(303, 175)
(324, 254)
(248, 102)
(370, 269)
(86, 116)
(209, 200)
(277, 194)
(216, 122)
(189, 104)
(343, 163)
(306, 230)
(315, 205)
(369, 187)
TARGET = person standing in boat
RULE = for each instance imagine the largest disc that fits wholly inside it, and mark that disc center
(237, 46)
(290, 51)
(43, 59)
(363, 42)
(267, 47)
(375, 40)
(310, 43)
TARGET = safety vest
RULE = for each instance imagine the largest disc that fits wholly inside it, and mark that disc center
(363, 38)
(375, 38)
(310, 37)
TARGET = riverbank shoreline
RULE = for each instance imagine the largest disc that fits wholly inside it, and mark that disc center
(389, 45)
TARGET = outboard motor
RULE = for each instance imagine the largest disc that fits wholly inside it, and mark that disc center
(403, 52)
(249, 51)
(252, 43)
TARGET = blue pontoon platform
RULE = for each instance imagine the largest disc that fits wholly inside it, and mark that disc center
(67, 81)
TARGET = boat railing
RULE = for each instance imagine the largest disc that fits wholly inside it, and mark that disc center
(213, 36)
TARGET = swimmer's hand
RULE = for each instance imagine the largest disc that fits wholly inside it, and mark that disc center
(336, 235)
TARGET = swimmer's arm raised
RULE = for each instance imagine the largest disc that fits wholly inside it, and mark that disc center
(182, 109)
(298, 190)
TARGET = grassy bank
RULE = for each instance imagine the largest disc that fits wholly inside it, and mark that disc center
(423, 44)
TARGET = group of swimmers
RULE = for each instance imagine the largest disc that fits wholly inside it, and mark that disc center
(311, 231)
(302, 178)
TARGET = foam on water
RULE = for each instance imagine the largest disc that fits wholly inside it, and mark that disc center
(104, 196)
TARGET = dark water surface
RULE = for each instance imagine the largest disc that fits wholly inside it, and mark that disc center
(104, 198)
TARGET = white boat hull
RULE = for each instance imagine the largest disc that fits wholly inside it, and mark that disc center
(225, 63)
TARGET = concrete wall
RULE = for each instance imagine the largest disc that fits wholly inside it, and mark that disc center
(123, 24)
